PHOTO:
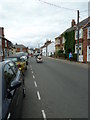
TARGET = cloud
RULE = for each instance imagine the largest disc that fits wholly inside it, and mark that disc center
(31, 22)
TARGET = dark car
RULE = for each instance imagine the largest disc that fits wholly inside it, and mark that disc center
(12, 90)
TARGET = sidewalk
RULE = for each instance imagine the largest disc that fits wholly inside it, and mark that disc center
(85, 65)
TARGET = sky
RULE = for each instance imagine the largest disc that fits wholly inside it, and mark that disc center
(32, 22)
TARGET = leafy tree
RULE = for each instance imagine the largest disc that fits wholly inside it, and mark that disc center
(70, 41)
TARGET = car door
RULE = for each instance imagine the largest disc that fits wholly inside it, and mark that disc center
(16, 104)
(11, 105)
(8, 76)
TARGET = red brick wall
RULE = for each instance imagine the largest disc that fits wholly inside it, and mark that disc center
(80, 41)
(85, 44)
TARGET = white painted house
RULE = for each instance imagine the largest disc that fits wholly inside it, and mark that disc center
(51, 49)
(48, 49)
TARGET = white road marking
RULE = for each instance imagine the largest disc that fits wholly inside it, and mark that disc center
(8, 116)
(32, 72)
(33, 77)
(44, 115)
(35, 83)
(38, 94)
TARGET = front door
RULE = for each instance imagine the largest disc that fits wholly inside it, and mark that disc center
(88, 53)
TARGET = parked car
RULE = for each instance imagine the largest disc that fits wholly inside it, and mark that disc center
(12, 89)
(23, 55)
(20, 62)
(39, 59)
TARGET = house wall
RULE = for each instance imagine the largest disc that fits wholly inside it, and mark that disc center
(51, 49)
(57, 44)
(85, 44)
(44, 51)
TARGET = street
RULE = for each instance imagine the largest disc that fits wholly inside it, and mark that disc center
(55, 89)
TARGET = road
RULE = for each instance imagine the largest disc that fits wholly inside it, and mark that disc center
(55, 89)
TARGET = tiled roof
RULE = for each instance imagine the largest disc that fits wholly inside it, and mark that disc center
(19, 46)
(81, 24)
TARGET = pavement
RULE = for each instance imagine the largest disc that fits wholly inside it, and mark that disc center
(55, 89)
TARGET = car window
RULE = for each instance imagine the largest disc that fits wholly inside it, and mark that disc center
(14, 67)
(9, 75)
(13, 59)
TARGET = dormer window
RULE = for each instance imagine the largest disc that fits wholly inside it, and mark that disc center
(88, 33)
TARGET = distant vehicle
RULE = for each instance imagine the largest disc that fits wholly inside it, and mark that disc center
(39, 59)
(12, 90)
(37, 54)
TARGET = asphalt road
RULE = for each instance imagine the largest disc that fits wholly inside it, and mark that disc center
(55, 89)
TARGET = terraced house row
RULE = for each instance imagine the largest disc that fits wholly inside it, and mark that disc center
(7, 48)
(68, 40)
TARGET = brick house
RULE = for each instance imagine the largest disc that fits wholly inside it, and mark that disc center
(60, 40)
(20, 48)
(84, 43)
(57, 44)
(5, 44)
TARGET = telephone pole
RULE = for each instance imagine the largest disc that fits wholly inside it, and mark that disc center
(77, 35)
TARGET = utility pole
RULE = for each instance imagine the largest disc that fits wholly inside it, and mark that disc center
(77, 35)
(1, 51)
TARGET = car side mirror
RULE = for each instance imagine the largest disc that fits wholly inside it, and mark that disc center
(15, 84)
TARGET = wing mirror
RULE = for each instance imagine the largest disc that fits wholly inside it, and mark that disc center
(15, 84)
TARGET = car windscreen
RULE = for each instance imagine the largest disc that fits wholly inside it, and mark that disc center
(12, 59)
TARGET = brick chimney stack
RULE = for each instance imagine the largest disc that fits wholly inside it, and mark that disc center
(2, 31)
(73, 23)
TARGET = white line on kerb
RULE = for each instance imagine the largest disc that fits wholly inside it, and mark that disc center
(35, 83)
(38, 94)
(44, 115)
(33, 77)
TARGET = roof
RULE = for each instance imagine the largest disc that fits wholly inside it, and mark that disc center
(2, 63)
(84, 22)
(81, 24)
(19, 46)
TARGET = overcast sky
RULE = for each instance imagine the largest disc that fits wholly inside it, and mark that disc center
(31, 22)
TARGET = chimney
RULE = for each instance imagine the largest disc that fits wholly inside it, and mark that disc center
(73, 23)
(2, 31)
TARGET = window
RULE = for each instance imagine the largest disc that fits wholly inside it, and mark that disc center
(80, 34)
(9, 75)
(14, 67)
(88, 33)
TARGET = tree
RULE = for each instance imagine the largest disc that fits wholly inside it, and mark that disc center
(70, 41)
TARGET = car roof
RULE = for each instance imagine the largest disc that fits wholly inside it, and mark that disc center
(2, 63)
